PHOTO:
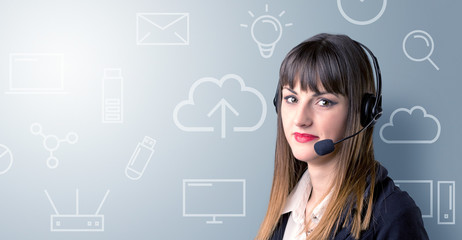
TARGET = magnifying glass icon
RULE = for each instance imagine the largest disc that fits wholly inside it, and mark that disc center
(419, 34)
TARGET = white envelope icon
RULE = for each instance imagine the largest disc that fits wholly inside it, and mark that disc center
(162, 28)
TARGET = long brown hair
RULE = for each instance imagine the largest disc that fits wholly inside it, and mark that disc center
(342, 67)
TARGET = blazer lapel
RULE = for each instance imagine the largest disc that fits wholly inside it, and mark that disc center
(278, 233)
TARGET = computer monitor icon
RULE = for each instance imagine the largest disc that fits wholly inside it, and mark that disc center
(214, 198)
(422, 193)
(77, 222)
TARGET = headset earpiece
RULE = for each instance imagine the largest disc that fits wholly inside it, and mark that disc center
(368, 111)
(276, 99)
(371, 105)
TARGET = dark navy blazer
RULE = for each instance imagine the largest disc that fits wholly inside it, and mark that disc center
(394, 215)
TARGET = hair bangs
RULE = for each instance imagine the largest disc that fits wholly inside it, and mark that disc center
(315, 67)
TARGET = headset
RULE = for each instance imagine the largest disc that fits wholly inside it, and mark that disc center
(371, 107)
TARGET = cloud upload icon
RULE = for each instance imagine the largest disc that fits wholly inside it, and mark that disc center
(411, 126)
(210, 98)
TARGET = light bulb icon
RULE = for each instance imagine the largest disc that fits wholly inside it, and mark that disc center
(266, 31)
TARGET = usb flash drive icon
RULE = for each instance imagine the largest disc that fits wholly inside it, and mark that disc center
(140, 158)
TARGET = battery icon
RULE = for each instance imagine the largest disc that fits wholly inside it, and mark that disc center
(140, 158)
(112, 96)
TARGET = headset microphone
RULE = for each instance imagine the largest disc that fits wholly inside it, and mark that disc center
(327, 146)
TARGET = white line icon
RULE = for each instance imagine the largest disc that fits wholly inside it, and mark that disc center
(266, 31)
(36, 73)
(140, 158)
(361, 22)
(214, 198)
(419, 34)
(52, 142)
(222, 105)
(446, 202)
(162, 28)
(422, 193)
(112, 108)
(6, 159)
(417, 111)
(77, 222)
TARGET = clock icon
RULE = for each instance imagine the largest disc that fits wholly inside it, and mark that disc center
(361, 22)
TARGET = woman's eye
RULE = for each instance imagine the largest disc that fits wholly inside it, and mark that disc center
(290, 99)
(324, 103)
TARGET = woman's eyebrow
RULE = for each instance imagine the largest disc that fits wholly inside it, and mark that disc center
(314, 95)
(292, 91)
(324, 93)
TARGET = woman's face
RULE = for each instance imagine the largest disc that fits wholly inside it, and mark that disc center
(308, 117)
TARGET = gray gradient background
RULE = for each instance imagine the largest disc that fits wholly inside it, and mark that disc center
(93, 35)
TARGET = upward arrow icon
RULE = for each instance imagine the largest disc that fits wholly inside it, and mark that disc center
(222, 105)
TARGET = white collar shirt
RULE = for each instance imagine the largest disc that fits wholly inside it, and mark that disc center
(296, 204)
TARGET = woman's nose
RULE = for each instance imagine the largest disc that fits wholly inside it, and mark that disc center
(303, 116)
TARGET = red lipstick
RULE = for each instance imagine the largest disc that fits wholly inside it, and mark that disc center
(304, 137)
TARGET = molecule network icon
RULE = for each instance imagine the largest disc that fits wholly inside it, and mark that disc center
(52, 142)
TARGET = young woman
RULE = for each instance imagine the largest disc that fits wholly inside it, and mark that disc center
(326, 92)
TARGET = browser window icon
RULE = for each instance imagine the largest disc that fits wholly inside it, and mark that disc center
(36, 73)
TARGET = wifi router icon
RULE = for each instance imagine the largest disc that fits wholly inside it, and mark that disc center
(77, 222)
